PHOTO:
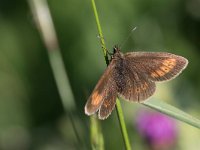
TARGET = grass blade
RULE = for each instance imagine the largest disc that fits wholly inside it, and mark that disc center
(172, 111)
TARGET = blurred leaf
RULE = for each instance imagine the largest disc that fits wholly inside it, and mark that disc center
(97, 141)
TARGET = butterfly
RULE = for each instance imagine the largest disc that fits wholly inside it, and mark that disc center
(132, 76)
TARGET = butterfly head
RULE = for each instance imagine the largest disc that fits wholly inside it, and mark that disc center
(116, 51)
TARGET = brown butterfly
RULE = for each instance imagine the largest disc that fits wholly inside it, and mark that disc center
(132, 76)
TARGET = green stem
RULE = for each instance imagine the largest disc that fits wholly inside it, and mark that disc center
(118, 105)
(122, 125)
(100, 32)
(96, 135)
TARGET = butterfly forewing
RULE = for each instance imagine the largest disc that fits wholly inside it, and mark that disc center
(156, 66)
(104, 90)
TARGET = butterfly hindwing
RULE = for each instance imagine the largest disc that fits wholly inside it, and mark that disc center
(108, 103)
(132, 85)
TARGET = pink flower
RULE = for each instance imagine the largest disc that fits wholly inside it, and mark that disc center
(156, 128)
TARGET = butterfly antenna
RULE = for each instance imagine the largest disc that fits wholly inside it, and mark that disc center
(129, 35)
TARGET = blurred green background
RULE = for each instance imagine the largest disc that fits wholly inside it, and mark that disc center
(31, 112)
